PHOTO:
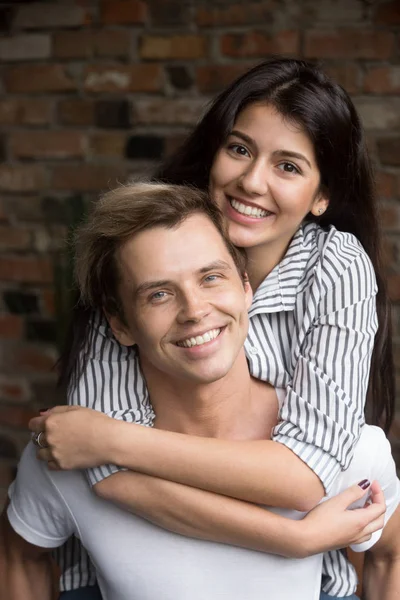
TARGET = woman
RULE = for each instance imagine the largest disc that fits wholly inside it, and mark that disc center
(283, 154)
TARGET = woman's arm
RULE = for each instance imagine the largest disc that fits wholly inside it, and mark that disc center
(204, 515)
(381, 575)
(262, 472)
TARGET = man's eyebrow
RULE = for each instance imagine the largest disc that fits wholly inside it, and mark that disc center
(292, 154)
(222, 265)
(147, 286)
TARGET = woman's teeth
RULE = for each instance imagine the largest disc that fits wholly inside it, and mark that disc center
(200, 339)
(251, 211)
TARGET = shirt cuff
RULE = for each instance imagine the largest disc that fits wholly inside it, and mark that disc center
(32, 535)
(325, 466)
(97, 474)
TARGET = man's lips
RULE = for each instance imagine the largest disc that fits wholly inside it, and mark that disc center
(199, 339)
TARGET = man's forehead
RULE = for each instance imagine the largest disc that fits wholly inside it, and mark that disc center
(163, 252)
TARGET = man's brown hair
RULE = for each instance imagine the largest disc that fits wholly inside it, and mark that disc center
(124, 212)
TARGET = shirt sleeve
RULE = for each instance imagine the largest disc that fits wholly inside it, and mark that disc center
(37, 512)
(323, 410)
(111, 383)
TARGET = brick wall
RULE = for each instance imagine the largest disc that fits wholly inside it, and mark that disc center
(94, 90)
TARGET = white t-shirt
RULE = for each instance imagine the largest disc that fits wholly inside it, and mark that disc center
(135, 558)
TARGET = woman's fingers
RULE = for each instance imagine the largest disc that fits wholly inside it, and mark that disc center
(37, 424)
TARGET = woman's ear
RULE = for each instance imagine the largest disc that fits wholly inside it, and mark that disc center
(120, 330)
(320, 203)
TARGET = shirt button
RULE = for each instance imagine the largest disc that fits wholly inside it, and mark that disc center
(253, 350)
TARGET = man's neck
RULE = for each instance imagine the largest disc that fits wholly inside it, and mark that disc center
(214, 409)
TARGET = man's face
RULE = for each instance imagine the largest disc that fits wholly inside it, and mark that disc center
(184, 301)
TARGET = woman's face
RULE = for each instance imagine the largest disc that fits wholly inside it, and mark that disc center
(265, 180)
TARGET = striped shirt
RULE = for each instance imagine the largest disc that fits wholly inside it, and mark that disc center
(312, 327)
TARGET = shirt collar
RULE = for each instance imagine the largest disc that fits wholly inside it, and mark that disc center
(278, 291)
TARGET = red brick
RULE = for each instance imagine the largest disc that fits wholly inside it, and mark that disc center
(347, 75)
(86, 177)
(165, 111)
(11, 327)
(47, 144)
(172, 47)
(48, 303)
(379, 113)
(33, 79)
(32, 358)
(214, 78)
(14, 389)
(108, 144)
(16, 416)
(389, 252)
(172, 143)
(43, 15)
(90, 44)
(3, 215)
(251, 13)
(116, 78)
(76, 111)
(349, 43)
(388, 13)
(394, 287)
(25, 111)
(22, 178)
(25, 47)
(389, 151)
(123, 12)
(386, 184)
(383, 80)
(390, 218)
(14, 238)
(7, 474)
(26, 269)
(257, 43)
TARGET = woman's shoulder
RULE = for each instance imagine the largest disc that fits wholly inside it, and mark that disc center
(336, 251)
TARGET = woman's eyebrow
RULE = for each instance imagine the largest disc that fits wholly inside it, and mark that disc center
(291, 154)
(242, 136)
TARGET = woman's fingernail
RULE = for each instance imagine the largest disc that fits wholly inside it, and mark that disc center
(43, 410)
(364, 484)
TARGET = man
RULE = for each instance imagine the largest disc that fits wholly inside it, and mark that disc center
(161, 298)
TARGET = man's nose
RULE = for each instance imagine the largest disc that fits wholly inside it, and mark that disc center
(194, 307)
(254, 180)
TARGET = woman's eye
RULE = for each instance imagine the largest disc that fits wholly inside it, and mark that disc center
(239, 149)
(288, 167)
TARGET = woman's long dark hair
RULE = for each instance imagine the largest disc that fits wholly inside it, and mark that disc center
(305, 95)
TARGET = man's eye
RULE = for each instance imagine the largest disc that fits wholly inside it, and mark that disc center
(239, 149)
(211, 278)
(158, 296)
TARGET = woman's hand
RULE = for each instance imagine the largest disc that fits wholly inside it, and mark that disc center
(331, 525)
(73, 437)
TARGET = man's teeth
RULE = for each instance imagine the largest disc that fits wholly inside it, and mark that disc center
(200, 339)
(252, 211)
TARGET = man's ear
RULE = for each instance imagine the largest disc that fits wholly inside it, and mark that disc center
(248, 291)
(120, 331)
